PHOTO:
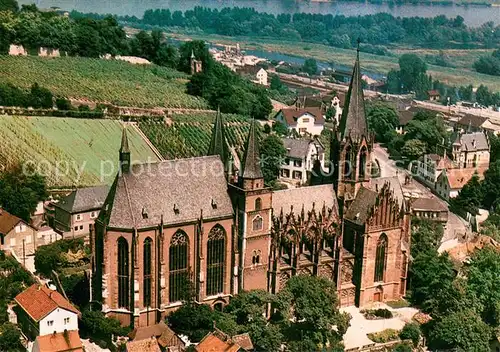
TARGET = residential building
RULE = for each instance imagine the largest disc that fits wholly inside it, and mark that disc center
(303, 121)
(67, 341)
(450, 182)
(145, 345)
(404, 116)
(75, 213)
(163, 336)
(41, 311)
(472, 123)
(302, 154)
(16, 234)
(256, 74)
(221, 342)
(471, 150)
(225, 231)
(434, 95)
(430, 209)
(430, 166)
(324, 102)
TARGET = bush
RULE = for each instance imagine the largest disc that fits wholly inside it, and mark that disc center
(50, 257)
(384, 336)
(411, 331)
(99, 328)
(402, 347)
(63, 104)
(374, 314)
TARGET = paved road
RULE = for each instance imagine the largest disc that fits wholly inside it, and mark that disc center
(455, 228)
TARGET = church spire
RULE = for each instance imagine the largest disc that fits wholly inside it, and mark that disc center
(251, 161)
(218, 145)
(124, 153)
(353, 119)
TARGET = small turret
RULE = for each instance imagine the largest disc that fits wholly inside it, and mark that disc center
(124, 153)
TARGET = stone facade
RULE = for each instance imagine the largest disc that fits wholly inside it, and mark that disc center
(238, 234)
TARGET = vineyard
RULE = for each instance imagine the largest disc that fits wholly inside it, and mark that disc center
(64, 148)
(110, 81)
(189, 135)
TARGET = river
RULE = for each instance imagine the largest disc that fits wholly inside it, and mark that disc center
(473, 15)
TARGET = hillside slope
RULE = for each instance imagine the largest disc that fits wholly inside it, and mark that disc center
(60, 147)
(111, 81)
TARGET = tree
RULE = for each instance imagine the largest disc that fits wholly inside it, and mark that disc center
(483, 282)
(466, 93)
(40, 97)
(412, 73)
(411, 331)
(193, 320)
(489, 65)
(200, 51)
(413, 149)
(99, 327)
(10, 338)
(310, 66)
(428, 128)
(9, 5)
(63, 104)
(20, 191)
(469, 198)
(491, 186)
(280, 128)
(460, 331)
(381, 119)
(309, 306)
(272, 152)
(494, 147)
(425, 236)
(431, 274)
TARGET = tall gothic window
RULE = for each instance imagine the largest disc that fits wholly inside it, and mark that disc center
(362, 163)
(258, 204)
(381, 258)
(123, 273)
(216, 247)
(148, 245)
(348, 167)
(178, 266)
(257, 223)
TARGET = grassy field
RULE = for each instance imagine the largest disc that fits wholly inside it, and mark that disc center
(110, 81)
(463, 74)
(189, 135)
(76, 144)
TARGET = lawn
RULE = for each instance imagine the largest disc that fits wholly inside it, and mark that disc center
(73, 144)
(112, 81)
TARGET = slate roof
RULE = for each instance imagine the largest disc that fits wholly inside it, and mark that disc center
(305, 196)
(292, 114)
(353, 120)
(190, 185)
(8, 221)
(60, 342)
(472, 120)
(428, 204)
(251, 161)
(39, 301)
(296, 148)
(358, 211)
(472, 141)
(84, 199)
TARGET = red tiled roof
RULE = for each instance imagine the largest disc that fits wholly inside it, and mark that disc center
(39, 301)
(292, 114)
(60, 342)
(147, 345)
(457, 178)
(433, 93)
(8, 221)
(212, 343)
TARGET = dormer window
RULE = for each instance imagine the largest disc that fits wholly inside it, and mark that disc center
(214, 204)
(144, 213)
(176, 209)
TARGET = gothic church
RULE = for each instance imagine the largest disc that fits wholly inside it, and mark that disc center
(195, 225)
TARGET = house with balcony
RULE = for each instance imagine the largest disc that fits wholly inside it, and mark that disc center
(302, 154)
(305, 121)
(76, 212)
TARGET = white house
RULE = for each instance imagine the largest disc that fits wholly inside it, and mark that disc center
(430, 166)
(255, 73)
(41, 311)
(304, 121)
(300, 159)
(450, 182)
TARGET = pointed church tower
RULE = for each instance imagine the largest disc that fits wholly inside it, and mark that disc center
(218, 144)
(251, 175)
(352, 143)
(252, 201)
(124, 153)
